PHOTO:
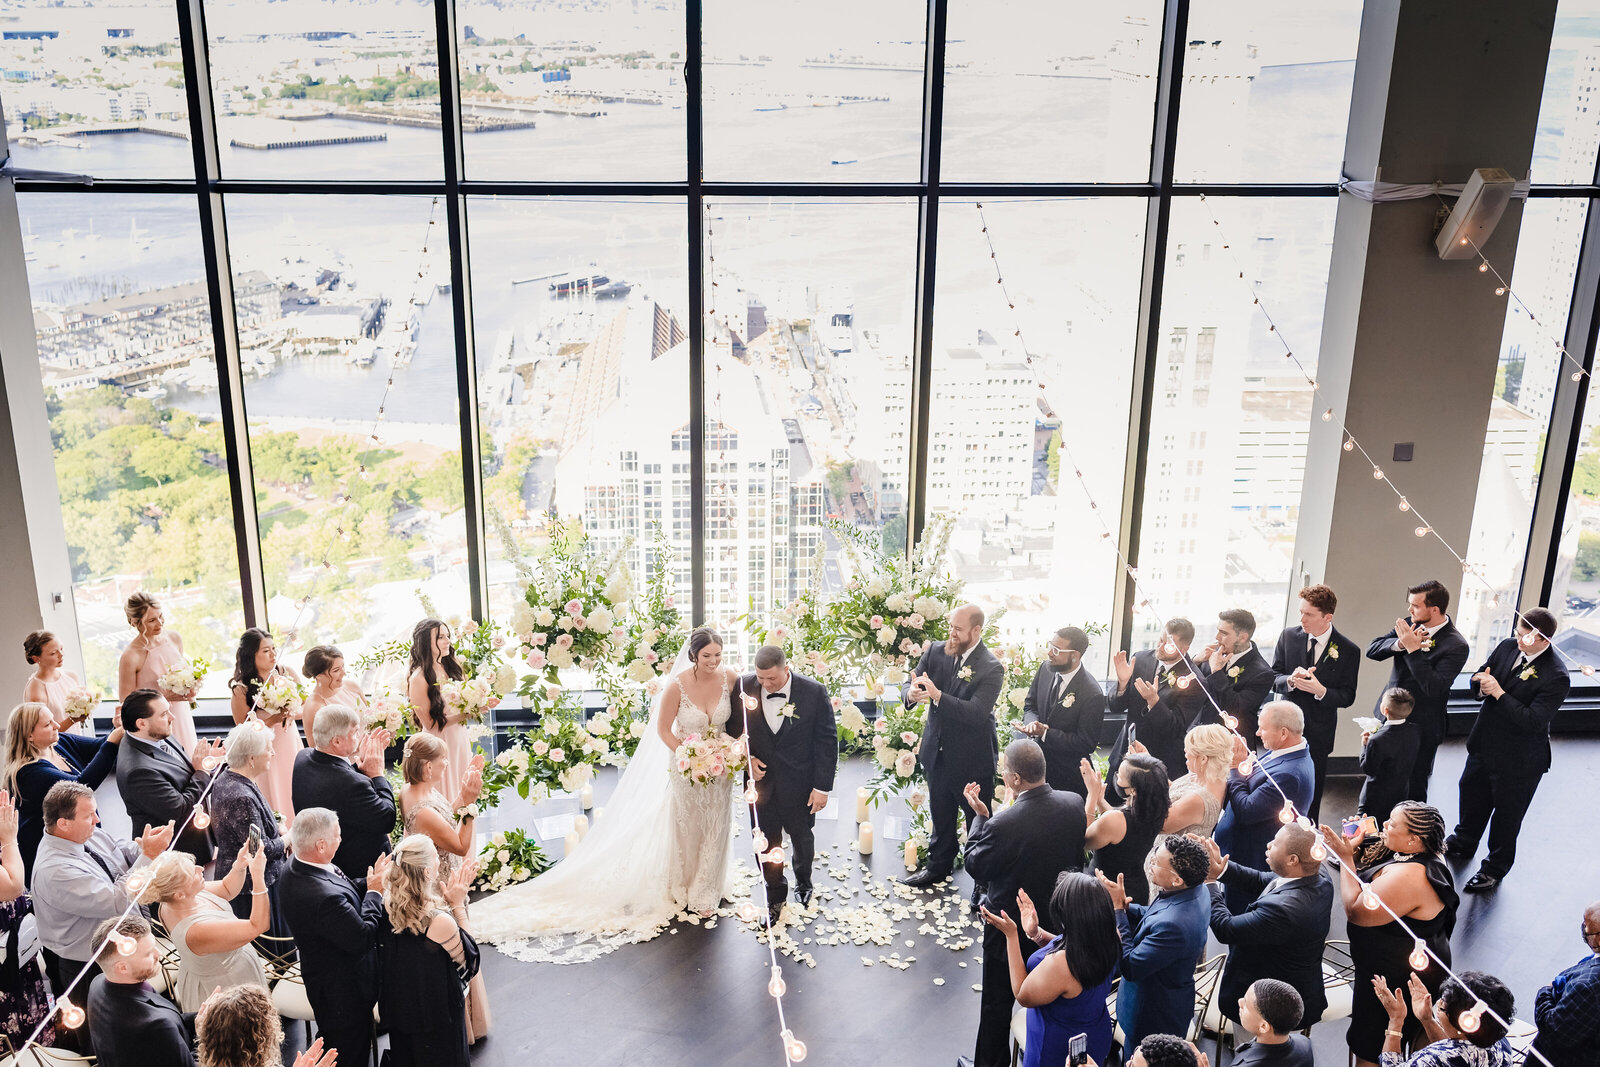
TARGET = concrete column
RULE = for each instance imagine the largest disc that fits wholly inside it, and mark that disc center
(1410, 342)
(35, 571)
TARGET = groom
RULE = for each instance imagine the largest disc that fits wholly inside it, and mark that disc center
(794, 750)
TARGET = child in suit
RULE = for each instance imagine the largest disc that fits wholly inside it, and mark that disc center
(1387, 756)
(1269, 1012)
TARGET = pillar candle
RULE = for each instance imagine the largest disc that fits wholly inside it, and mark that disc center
(861, 804)
(598, 812)
(571, 842)
(580, 825)
(911, 855)
(587, 795)
(864, 844)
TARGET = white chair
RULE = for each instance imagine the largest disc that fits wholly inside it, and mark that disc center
(46, 1057)
(1019, 1034)
(1338, 983)
(289, 998)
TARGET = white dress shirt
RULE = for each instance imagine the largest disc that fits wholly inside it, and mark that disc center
(772, 703)
(71, 893)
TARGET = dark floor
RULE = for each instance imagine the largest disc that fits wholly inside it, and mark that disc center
(698, 997)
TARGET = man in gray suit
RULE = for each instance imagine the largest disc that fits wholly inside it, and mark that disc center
(158, 781)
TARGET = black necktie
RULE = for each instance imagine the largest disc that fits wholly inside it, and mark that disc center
(1311, 648)
(101, 860)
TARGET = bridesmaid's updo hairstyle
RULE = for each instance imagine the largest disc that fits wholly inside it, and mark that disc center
(699, 638)
(319, 659)
(421, 750)
(137, 605)
(33, 644)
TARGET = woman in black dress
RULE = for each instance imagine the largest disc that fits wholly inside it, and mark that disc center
(1413, 883)
(25, 999)
(1121, 837)
(426, 958)
(236, 804)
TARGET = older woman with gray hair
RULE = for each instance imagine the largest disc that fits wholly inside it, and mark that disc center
(237, 804)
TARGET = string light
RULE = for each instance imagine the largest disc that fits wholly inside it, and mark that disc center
(775, 985)
(1405, 505)
(793, 1047)
(72, 1015)
(1369, 899)
(1286, 816)
(1467, 1022)
(1319, 851)
(1419, 956)
(201, 818)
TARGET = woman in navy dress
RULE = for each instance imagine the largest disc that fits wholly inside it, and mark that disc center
(1064, 984)
(38, 756)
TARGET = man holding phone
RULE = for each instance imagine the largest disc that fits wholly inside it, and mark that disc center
(1064, 710)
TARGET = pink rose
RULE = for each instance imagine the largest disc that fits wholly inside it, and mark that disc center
(618, 633)
(564, 641)
(668, 601)
(574, 607)
(877, 621)
(540, 639)
(536, 659)
(651, 656)
(581, 623)
(683, 765)
(499, 642)
(557, 755)
(908, 737)
(494, 702)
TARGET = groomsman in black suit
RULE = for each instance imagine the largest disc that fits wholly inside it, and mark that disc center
(1523, 684)
(159, 782)
(1025, 847)
(335, 926)
(1315, 667)
(1236, 675)
(794, 751)
(1065, 709)
(1161, 699)
(960, 680)
(1428, 652)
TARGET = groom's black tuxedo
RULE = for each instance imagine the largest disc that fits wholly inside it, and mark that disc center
(800, 756)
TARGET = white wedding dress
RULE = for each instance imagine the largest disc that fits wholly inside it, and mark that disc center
(661, 847)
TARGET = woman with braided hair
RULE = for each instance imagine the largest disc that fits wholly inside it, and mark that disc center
(1414, 884)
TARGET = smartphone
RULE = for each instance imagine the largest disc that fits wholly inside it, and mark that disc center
(255, 839)
(1133, 733)
(1357, 827)
(1077, 1050)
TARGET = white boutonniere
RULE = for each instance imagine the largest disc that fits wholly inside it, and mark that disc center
(1235, 671)
(1333, 651)
(1069, 700)
(1427, 644)
(1528, 673)
(787, 711)
(965, 674)
(1170, 677)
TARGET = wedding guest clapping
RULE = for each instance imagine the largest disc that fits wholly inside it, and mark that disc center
(1235, 673)
(1065, 709)
(38, 756)
(1459, 1032)
(1257, 797)
(159, 781)
(1198, 796)
(359, 793)
(25, 1000)
(1157, 691)
(434, 662)
(324, 666)
(422, 999)
(1065, 982)
(239, 1027)
(255, 663)
(1567, 1011)
(1162, 942)
(152, 651)
(238, 807)
(1122, 838)
(50, 683)
(214, 947)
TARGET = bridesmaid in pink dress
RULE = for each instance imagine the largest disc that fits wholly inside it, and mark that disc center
(50, 684)
(257, 660)
(433, 661)
(151, 652)
(324, 667)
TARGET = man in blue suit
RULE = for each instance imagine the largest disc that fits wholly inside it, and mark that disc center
(1254, 809)
(1161, 943)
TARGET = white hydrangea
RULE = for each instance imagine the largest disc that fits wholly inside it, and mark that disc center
(1017, 696)
(521, 618)
(850, 718)
(876, 587)
(898, 603)
(600, 619)
(929, 607)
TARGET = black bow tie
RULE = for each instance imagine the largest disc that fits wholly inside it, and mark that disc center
(777, 696)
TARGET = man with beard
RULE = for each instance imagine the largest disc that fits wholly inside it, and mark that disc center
(960, 681)
(1158, 694)
(133, 1025)
(1065, 709)
(1236, 675)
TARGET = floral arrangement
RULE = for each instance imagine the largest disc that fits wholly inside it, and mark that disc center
(620, 729)
(655, 628)
(892, 608)
(559, 754)
(183, 678)
(568, 615)
(81, 702)
(709, 758)
(896, 739)
(472, 698)
(280, 694)
(509, 857)
(855, 732)
(1021, 664)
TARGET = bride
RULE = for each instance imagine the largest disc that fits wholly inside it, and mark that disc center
(662, 846)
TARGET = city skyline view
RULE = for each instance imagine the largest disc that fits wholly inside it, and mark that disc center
(580, 309)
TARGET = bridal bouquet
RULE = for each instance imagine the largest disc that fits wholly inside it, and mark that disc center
(280, 695)
(183, 678)
(472, 699)
(386, 711)
(704, 760)
(82, 702)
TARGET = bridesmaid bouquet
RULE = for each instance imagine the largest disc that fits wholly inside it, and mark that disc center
(280, 695)
(183, 678)
(472, 699)
(81, 703)
(703, 760)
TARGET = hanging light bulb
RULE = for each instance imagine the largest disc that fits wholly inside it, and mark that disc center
(1423, 531)
(1349, 444)
(1286, 816)
(201, 818)
(1168, 648)
(1327, 416)
(1405, 505)
(1183, 683)
(749, 702)
(1467, 1022)
(1483, 268)
(1500, 290)
(748, 912)
(1577, 375)
(210, 763)
(72, 1015)
(1377, 473)
(775, 984)
(759, 841)
(135, 882)
(1419, 956)
(793, 1047)
(775, 856)
(750, 794)
(1231, 721)
(1319, 851)
(1304, 822)
(126, 946)
(1246, 766)
(1588, 670)
(1369, 900)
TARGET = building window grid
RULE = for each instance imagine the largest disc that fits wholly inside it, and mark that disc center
(609, 514)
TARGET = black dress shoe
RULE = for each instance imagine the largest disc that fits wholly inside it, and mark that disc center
(1455, 850)
(803, 896)
(1481, 882)
(773, 913)
(923, 879)
(963, 1061)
